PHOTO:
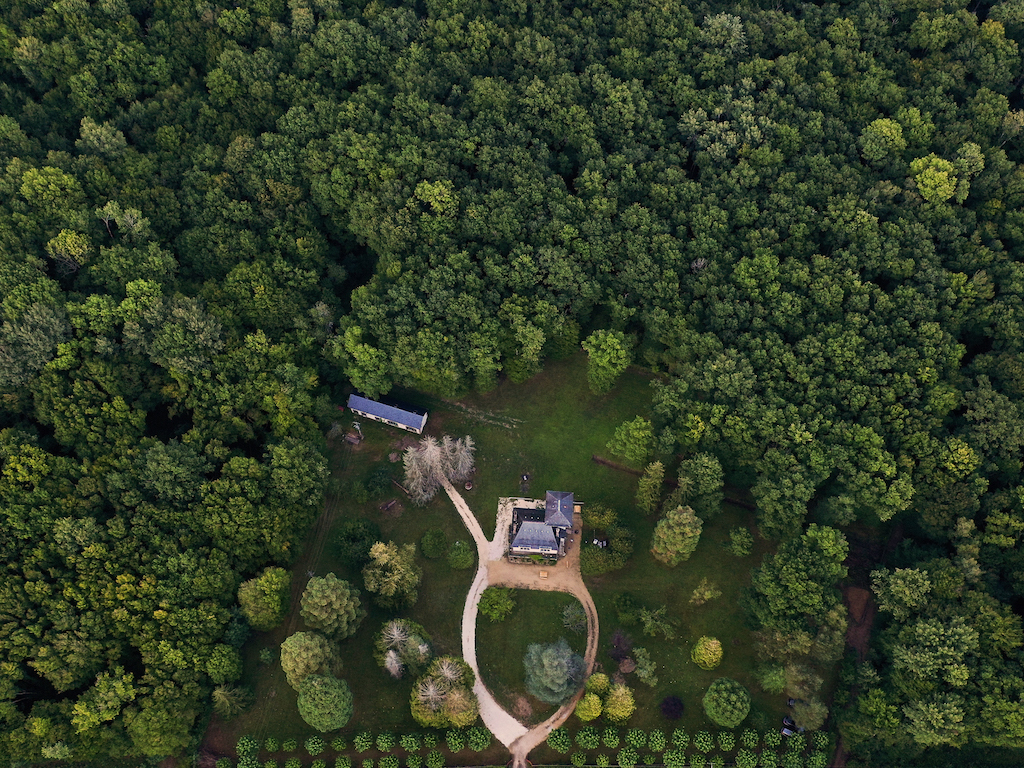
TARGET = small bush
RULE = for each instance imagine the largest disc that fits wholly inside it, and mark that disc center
(318, 764)
(636, 738)
(627, 758)
(726, 741)
(717, 761)
(796, 742)
(741, 542)
(559, 740)
(413, 761)
(672, 707)
(410, 742)
(703, 742)
(817, 760)
(247, 746)
(271, 744)
(315, 745)
(435, 759)
(769, 759)
(792, 760)
(746, 759)
(343, 761)
(455, 740)
(610, 738)
(339, 744)
(750, 738)
(385, 741)
(588, 737)
(579, 759)
(603, 761)
(363, 741)
(270, 764)
(267, 655)
(479, 738)
(675, 758)
(461, 556)
(293, 762)
(249, 761)
(772, 738)
(368, 762)
(224, 762)
(289, 745)
(389, 761)
(657, 741)
(429, 740)
(680, 738)
(707, 653)
(433, 544)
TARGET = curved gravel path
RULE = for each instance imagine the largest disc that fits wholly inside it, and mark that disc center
(495, 570)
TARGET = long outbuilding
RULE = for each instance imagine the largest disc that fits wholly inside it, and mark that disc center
(395, 415)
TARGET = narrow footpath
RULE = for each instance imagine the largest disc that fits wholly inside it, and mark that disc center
(495, 570)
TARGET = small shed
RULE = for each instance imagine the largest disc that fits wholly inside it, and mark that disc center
(395, 415)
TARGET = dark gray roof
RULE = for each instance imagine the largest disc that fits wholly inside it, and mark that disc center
(558, 507)
(535, 536)
(388, 412)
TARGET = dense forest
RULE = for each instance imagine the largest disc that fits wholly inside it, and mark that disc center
(807, 218)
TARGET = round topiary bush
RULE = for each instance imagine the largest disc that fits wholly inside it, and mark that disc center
(768, 759)
(368, 762)
(680, 738)
(746, 759)
(339, 744)
(293, 762)
(315, 745)
(603, 761)
(385, 741)
(410, 742)
(455, 740)
(657, 741)
(429, 740)
(717, 761)
(726, 703)
(559, 740)
(627, 757)
(461, 555)
(270, 764)
(479, 738)
(413, 761)
(726, 741)
(598, 683)
(636, 738)
(588, 737)
(247, 746)
(703, 742)
(435, 759)
(271, 744)
(610, 738)
(750, 738)
(578, 759)
(675, 758)
(433, 544)
(318, 764)
(363, 741)
(707, 653)
(224, 762)
(289, 745)
(772, 739)
(343, 761)
(389, 761)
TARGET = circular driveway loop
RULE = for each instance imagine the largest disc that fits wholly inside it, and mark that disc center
(494, 570)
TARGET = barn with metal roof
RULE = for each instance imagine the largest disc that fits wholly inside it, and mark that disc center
(396, 416)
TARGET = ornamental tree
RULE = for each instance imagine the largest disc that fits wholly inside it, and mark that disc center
(619, 705)
(707, 653)
(676, 536)
(333, 606)
(553, 671)
(496, 603)
(726, 702)
(265, 600)
(304, 654)
(325, 702)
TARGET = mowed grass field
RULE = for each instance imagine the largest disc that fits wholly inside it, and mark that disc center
(549, 429)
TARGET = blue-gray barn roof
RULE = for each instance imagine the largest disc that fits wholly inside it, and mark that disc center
(388, 412)
(535, 536)
(558, 508)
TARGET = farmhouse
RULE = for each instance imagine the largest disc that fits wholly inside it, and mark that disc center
(541, 527)
(395, 415)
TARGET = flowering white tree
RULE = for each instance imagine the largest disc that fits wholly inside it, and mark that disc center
(430, 463)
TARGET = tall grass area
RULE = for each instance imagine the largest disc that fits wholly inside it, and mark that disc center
(500, 647)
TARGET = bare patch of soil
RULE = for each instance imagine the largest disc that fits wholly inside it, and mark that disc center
(521, 709)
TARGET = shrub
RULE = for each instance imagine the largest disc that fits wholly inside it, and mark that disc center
(589, 707)
(289, 745)
(354, 539)
(224, 762)
(265, 599)
(769, 759)
(429, 740)
(293, 762)
(461, 555)
(385, 741)
(746, 759)
(706, 590)
(368, 762)
(339, 744)
(672, 707)
(707, 653)
(389, 761)
(822, 741)
(717, 761)
(455, 740)
(433, 544)
(675, 758)
(680, 738)
(626, 607)
(636, 738)
(657, 741)
(588, 737)
(817, 760)
(772, 739)
(603, 761)
(410, 742)
(750, 738)
(796, 742)
(497, 603)
(574, 618)
(479, 738)
(771, 677)
(318, 764)
(726, 702)
(578, 759)
(435, 759)
(726, 741)
(627, 758)
(248, 762)
(741, 542)
(792, 760)
(619, 705)
(267, 655)
(343, 761)
(315, 745)
(610, 738)
(271, 744)
(598, 683)
(247, 746)
(559, 740)
(413, 761)
(703, 742)
(363, 741)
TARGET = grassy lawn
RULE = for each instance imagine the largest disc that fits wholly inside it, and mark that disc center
(548, 428)
(500, 646)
